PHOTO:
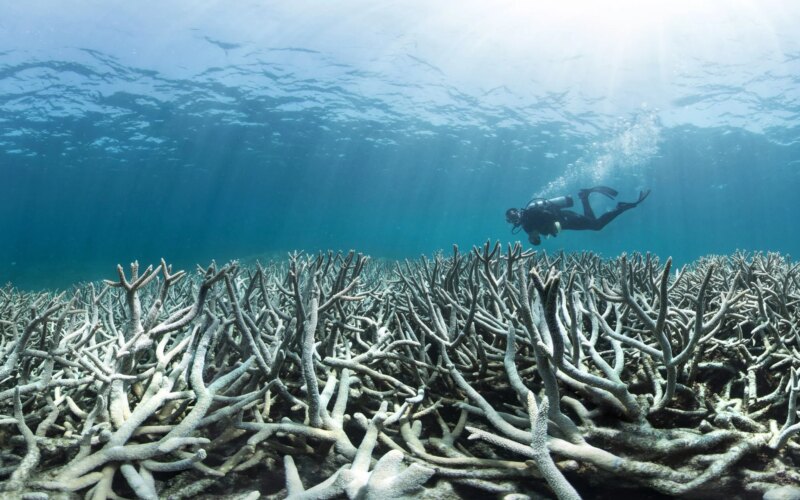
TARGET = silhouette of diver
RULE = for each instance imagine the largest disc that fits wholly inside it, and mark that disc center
(549, 217)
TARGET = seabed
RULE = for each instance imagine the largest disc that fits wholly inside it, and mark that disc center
(495, 373)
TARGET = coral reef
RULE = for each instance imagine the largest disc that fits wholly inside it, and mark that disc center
(498, 371)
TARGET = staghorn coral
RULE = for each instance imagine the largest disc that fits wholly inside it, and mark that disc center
(498, 371)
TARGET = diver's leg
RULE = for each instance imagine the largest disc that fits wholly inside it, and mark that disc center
(571, 220)
(603, 220)
(607, 217)
(587, 208)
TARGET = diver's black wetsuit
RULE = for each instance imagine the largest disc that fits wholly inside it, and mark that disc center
(540, 216)
(542, 219)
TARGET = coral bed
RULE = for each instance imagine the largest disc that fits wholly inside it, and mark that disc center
(495, 372)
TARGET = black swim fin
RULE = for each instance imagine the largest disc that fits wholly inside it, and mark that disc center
(628, 205)
(610, 192)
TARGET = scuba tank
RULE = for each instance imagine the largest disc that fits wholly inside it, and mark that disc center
(559, 202)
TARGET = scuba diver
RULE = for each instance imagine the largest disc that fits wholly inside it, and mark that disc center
(549, 217)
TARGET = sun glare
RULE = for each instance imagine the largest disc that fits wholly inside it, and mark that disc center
(619, 49)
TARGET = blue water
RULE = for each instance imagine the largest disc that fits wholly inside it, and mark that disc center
(217, 130)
